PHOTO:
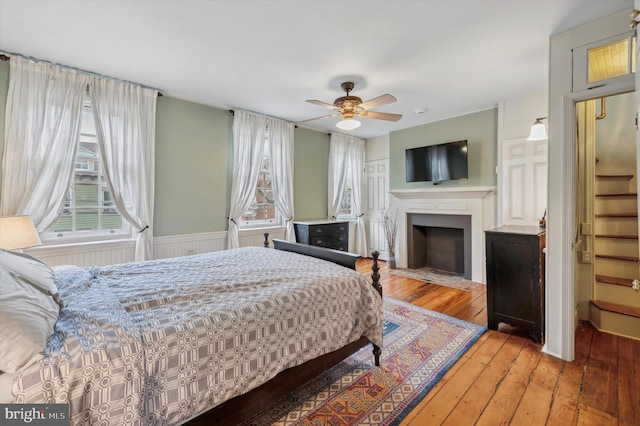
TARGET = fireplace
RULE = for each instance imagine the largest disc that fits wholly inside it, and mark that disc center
(440, 241)
(449, 209)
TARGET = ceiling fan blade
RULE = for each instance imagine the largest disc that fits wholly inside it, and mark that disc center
(317, 118)
(376, 102)
(381, 115)
(322, 104)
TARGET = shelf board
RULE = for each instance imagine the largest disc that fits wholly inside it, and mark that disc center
(627, 177)
(625, 282)
(613, 257)
(619, 309)
(631, 215)
(618, 195)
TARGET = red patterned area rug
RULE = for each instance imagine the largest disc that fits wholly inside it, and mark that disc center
(419, 347)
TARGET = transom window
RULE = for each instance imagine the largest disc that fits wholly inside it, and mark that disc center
(608, 61)
(263, 211)
(89, 211)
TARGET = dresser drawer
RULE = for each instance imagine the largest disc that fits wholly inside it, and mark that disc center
(330, 229)
(333, 235)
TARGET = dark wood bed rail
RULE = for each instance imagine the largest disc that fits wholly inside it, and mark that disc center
(342, 258)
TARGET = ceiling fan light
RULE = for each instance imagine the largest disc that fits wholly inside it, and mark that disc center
(348, 124)
(538, 131)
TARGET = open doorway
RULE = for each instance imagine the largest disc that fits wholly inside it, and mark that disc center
(606, 238)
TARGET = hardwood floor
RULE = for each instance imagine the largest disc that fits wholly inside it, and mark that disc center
(504, 379)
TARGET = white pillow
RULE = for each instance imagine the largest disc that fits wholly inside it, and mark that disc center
(28, 310)
(31, 271)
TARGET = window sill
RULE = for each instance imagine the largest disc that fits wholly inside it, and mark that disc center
(259, 228)
(73, 247)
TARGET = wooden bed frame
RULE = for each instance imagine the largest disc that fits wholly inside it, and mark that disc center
(245, 406)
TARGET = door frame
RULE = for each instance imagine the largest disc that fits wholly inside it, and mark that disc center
(560, 309)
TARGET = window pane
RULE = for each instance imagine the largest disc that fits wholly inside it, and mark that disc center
(111, 219)
(87, 220)
(86, 195)
(64, 222)
(608, 61)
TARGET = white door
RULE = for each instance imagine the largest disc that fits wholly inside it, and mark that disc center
(377, 197)
(523, 177)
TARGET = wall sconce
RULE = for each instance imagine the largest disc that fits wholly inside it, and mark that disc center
(538, 131)
(18, 232)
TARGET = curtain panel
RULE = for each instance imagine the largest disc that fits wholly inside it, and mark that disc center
(248, 147)
(43, 112)
(346, 162)
(356, 159)
(281, 135)
(125, 117)
(338, 157)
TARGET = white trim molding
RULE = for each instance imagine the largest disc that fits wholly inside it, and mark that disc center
(560, 301)
(477, 202)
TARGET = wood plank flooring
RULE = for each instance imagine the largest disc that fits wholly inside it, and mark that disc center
(504, 378)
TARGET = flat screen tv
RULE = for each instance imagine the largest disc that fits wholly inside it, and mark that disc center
(437, 163)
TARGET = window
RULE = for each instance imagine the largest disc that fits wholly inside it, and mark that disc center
(263, 211)
(346, 208)
(605, 62)
(89, 211)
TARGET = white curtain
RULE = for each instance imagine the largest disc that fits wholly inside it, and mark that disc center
(248, 148)
(356, 160)
(43, 111)
(346, 155)
(338, 157)
(281, 155)
(125, 116)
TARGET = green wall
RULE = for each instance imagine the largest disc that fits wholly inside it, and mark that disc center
(310, 174)
(193, 166)
(192, 145)
(479, 129)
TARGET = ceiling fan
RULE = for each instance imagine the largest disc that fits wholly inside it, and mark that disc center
(350, 106)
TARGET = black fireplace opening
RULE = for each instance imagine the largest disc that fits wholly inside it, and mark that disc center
(441, 242)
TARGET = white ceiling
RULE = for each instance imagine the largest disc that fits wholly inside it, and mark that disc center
(448, 57)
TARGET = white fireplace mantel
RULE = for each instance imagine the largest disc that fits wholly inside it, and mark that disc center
(477, 202)
(456, 192)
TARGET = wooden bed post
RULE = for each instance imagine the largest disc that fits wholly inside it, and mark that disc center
(375, 276)
(266, 239)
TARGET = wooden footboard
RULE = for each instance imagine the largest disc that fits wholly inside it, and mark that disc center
(343, 258)
(243, 407)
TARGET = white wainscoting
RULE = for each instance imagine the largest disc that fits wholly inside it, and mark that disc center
(86, 254)
(188, 244)
(110, 252)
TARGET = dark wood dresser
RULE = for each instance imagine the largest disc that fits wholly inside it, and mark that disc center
(333, 234)
(515, 278)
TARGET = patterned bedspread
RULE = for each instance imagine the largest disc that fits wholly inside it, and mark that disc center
(158, 342)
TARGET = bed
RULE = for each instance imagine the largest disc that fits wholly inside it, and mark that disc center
(164, 341)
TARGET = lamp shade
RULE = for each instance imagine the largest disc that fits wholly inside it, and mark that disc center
(348, 124)
(18, 232)
(538, 131)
